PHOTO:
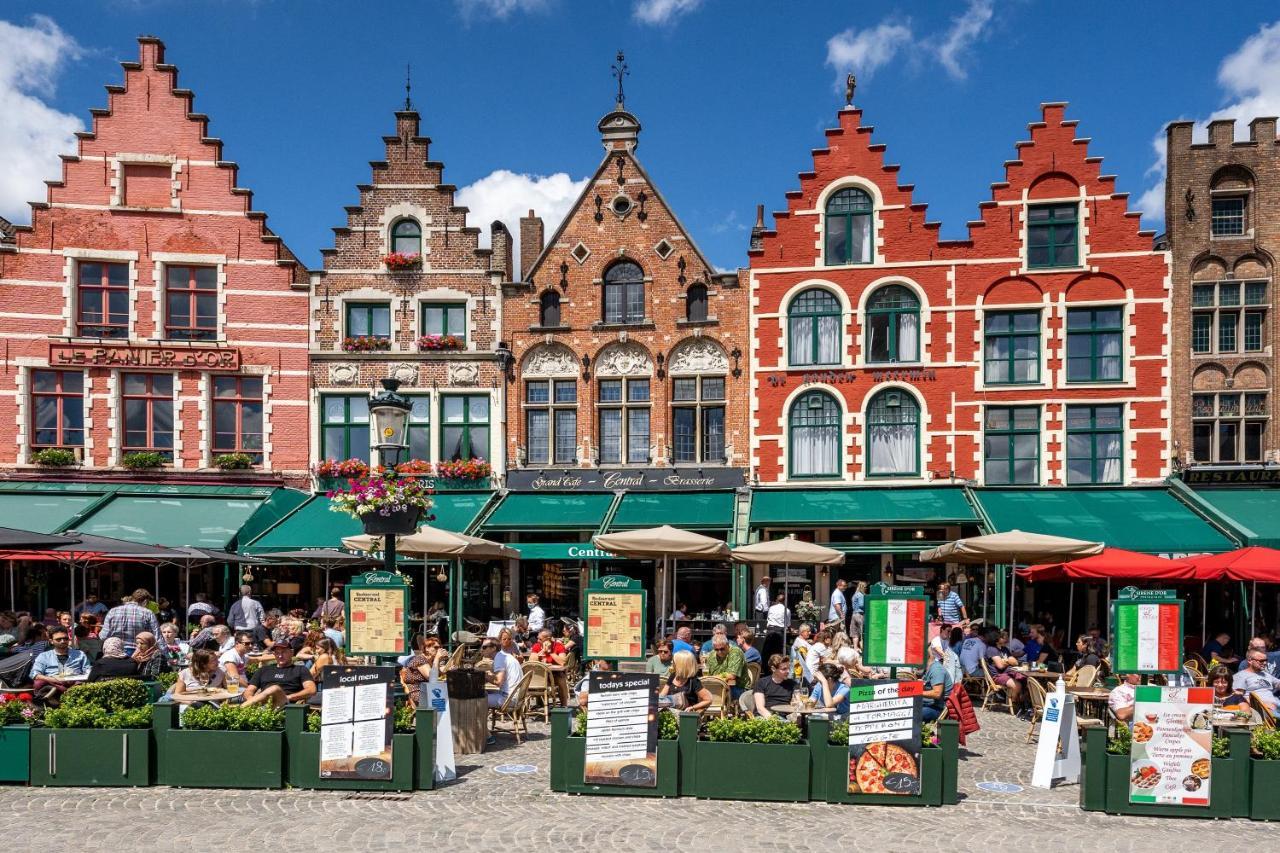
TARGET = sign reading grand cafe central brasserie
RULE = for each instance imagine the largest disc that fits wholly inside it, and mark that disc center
(636, 479)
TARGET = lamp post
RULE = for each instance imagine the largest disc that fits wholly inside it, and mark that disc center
(389, 412)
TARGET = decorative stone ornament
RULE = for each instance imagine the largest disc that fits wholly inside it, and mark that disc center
(699, 355)
(623, 359)
(404, 373)
(343, 373)
(464, 373)
(551, 360)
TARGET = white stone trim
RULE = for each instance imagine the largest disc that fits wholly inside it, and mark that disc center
(848, 439)
(392, 213)
(73, 256)
(783, 316)
(877, 225)
(159, 273)
(117, 162)
(179, 418)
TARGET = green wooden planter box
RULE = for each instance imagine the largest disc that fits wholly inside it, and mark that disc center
(1264, 774)
(424, 749)
(211, 759)
(568, 760)
(462, 485)
(303, 751)
(775, 772)
(91, 757)
(830, 770)
(15, 754)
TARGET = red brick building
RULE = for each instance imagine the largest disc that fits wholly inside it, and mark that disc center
(1034, 352)
(147, 307)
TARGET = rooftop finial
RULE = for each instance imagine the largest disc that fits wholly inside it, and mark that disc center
(408, 86)
(620, 70)
(850, 83)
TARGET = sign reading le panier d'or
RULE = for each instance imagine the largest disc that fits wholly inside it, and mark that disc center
(377, 614)
(132, 355)
(622, 730)
(1146, 627)
(616, 616)
(895, 626)
(634, 479)
(356, 722)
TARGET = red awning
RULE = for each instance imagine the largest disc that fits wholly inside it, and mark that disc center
(1114, 564)
(1247, 564)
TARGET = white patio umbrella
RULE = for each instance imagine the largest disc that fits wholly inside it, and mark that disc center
(664, 542)
(787, 551)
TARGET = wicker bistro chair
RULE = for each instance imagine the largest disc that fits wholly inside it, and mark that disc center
(1263, 709)
(721, 703)
(512, 708)
(1086, 676)
(753, 675)
(456, 659)
(995, 694)
(1035, 692)
(540, 689)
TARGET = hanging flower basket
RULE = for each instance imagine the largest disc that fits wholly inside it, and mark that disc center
(400, 261)
(366, 343)
(433, 343)
(384, 505)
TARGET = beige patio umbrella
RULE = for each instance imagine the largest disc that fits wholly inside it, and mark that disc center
(665, 543)
(1011, 547)
(787, 551)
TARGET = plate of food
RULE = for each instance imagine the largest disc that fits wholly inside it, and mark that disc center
(878, 762)
(1200, 721)
(1200, 767)
(1146, 776)
(1192, 782)
(1142, 732)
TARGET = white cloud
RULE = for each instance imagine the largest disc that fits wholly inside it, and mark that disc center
(1250, 81)
(507, 196)
(499, 9)
(662, 12)
(32, 134)
(863, 51)
(966, 29)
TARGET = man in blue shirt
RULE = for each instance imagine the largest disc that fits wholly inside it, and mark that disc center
(972, 650)
(51, 667)
(720, 628)
(937, 686)
(681, 642)
(951, 610)
(1259, 644)
(746, 642)
(837, 613)
(857, 604)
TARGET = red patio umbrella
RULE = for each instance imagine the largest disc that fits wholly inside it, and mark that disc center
(1113, 564)
(1255, 563)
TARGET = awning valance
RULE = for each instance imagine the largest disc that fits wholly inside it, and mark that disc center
(538, 511)
(864, 506)
(687, 510)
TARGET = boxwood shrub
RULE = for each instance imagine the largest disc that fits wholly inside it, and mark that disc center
(234, 718)
(118, 694)
(753, 730)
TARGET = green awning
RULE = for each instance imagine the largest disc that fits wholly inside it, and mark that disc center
(270, 512)
(200, 522)
(1148, 520)
(533, 511)
(1255, 512)
(41, 511)
(686, 510)
(562, 551)
(314, 525)
(860, 507)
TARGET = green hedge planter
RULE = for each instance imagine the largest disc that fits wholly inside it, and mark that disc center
(741, 771)
(568, 760)
(1229, 794)
(205, 759)
(91, 757)
(938, 770)
(1262, 799)
(303, 749)
(15, 754)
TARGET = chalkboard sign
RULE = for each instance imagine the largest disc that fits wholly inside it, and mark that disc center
(884, 737)
(622, 730)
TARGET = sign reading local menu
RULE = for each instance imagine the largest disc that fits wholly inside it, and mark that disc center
(356, 722)
(1146, 627)
(622, 730)
(616, 616)
(377, 614)
(884, 737)
(1171, 756)
(895, 626)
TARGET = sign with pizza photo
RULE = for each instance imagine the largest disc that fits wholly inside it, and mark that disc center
(884, 737)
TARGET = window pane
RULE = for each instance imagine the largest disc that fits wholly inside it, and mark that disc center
(91, 273)
(637, 390)
(1253, 331)
(382, 321)
(713, 434)
(117, 275)
(333, 443)
(1202, 295)
(456, 316)
(997, 418)
(224, 418)
(334, 409)
(1026, 446)
(611, 436)
(451, 443)
(637, 435)
(1228, 436)
(713, 388)
(1255, 293)
(837, 245)
(878, 338)
(453, 409)
(1201, 329)
(419, 410)
(1107, 417)
(1227, 321)
(998, 322)
(684, 435)
(478, 409)
(1202, 443)
(684, 389)
(1229, 293)
(538, 425)
(1253, 431)
(1026, 417)
(359, 409)
(1025, 472)
(566, 391)
(432, 320)
(611, 391)
(206, 278)
(997, 472)
(566, 436)
(537, 392)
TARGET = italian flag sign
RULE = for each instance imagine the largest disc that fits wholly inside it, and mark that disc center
(1147, 634)
(895, 629)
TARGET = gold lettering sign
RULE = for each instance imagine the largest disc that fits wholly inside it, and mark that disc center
(128, 355)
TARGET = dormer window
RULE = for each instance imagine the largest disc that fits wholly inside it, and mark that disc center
(848, 227)
(406, 237)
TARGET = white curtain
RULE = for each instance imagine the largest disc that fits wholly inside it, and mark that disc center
(1109, 456)
(908, 337)
(801, 340)
(828, 340)
(861, 249)
(817, 450)
(1109, 353)
(893, 448)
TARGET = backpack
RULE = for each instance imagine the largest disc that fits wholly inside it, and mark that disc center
(15, 670)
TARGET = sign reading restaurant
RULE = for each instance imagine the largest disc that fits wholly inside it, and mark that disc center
(848, 377)
(132, 355)
(1242, 475)
(635, 479)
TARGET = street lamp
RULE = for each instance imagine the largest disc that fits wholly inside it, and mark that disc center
(389, 412)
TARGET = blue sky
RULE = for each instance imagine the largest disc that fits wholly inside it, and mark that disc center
(732, 94)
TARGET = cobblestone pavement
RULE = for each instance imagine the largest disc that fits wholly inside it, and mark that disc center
(488, 809)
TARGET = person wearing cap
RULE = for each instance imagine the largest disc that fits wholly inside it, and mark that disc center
(280, 682)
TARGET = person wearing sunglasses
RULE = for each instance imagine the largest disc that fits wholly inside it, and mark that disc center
(52, 669)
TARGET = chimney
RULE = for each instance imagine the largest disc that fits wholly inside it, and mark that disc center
(530, 242)
(757, 230)
(500, 241)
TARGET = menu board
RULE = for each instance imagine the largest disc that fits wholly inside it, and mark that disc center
(895, 626)
(356, 722)
(884, 737)
(1146, 630)
(615, 619)
(377, 608)
(622, 730)
(1171, 757)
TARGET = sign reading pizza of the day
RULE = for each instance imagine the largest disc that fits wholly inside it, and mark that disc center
(356, 722)
(884, 737)
(377, 614)
(895, 626)
(132, 355)
(1171, 757)
(616, 616)
(1146, 627)
(622, 730)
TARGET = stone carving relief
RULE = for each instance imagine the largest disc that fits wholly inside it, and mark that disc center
(700, 355)
(624, 359)
(406, 373)
(464, 373)
(551, 360)
(343, 373)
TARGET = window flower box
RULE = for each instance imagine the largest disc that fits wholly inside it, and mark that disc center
(568, 762)
(434, 343)
(366, 343)
(402, 261)
(334, 474)
(55, 457)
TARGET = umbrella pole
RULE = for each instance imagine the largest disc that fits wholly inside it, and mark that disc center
(186, 582)
(1071, 608)
(1253, 610)
(425, 581)
(985, 580)
(72, 567)
(157, 586)
(1204, 614)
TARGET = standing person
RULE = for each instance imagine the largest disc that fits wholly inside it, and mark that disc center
(129, 620)
(331, 631)
(761, 599)
(92, 605)
(331, 608)
(951, 609)
(838, 610)
(537, 616)
(777, 621)
(247, 613)
(200, 607)
(857, 605)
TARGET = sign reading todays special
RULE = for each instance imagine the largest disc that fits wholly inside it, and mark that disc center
(622, 730)
(884, 737)
(616, 616)
(895, 626)
(1171, 757)
(1146, 625)
(377, 608)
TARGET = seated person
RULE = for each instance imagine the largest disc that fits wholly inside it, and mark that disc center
(329, 625)
(50, 667)
(548, 650)
(725, 661)
(235, 659)
(114, 663)
(829, 691)
(1273, 658)
(1224, 693)
(1219, 649)
(1002, 665)
(280, 682)
(774, 688)
(151, 660)
(1121, 699)
(683, 686)
(1255, 680)
(719, 628)
(972, 650)
(851, 661)
(746, 639)
(203, 674)
(1014, 645)
(1087, 649)
(1046, 654)
(937, 685)
(683, 641)
(583, 687)
(660, 663)
(506, 670)
(203, 636)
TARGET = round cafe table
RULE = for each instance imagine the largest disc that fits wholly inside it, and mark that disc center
(202, 696)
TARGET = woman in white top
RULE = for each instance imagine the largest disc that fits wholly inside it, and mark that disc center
(204, 673)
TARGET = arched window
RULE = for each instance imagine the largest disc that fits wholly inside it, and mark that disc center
(813, 328)
(893, 325)
(695, 303)
(624, 293)
(406, 237)
(849, 227)
(893, 434)
(814, 436)
(549, 309)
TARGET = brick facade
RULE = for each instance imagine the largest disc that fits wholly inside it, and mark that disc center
(620, 220)
(957, 284)
(454, 276)
(145, 200)
(1224, 383)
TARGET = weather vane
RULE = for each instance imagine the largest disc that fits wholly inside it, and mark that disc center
(620, 70)
(408, 86)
